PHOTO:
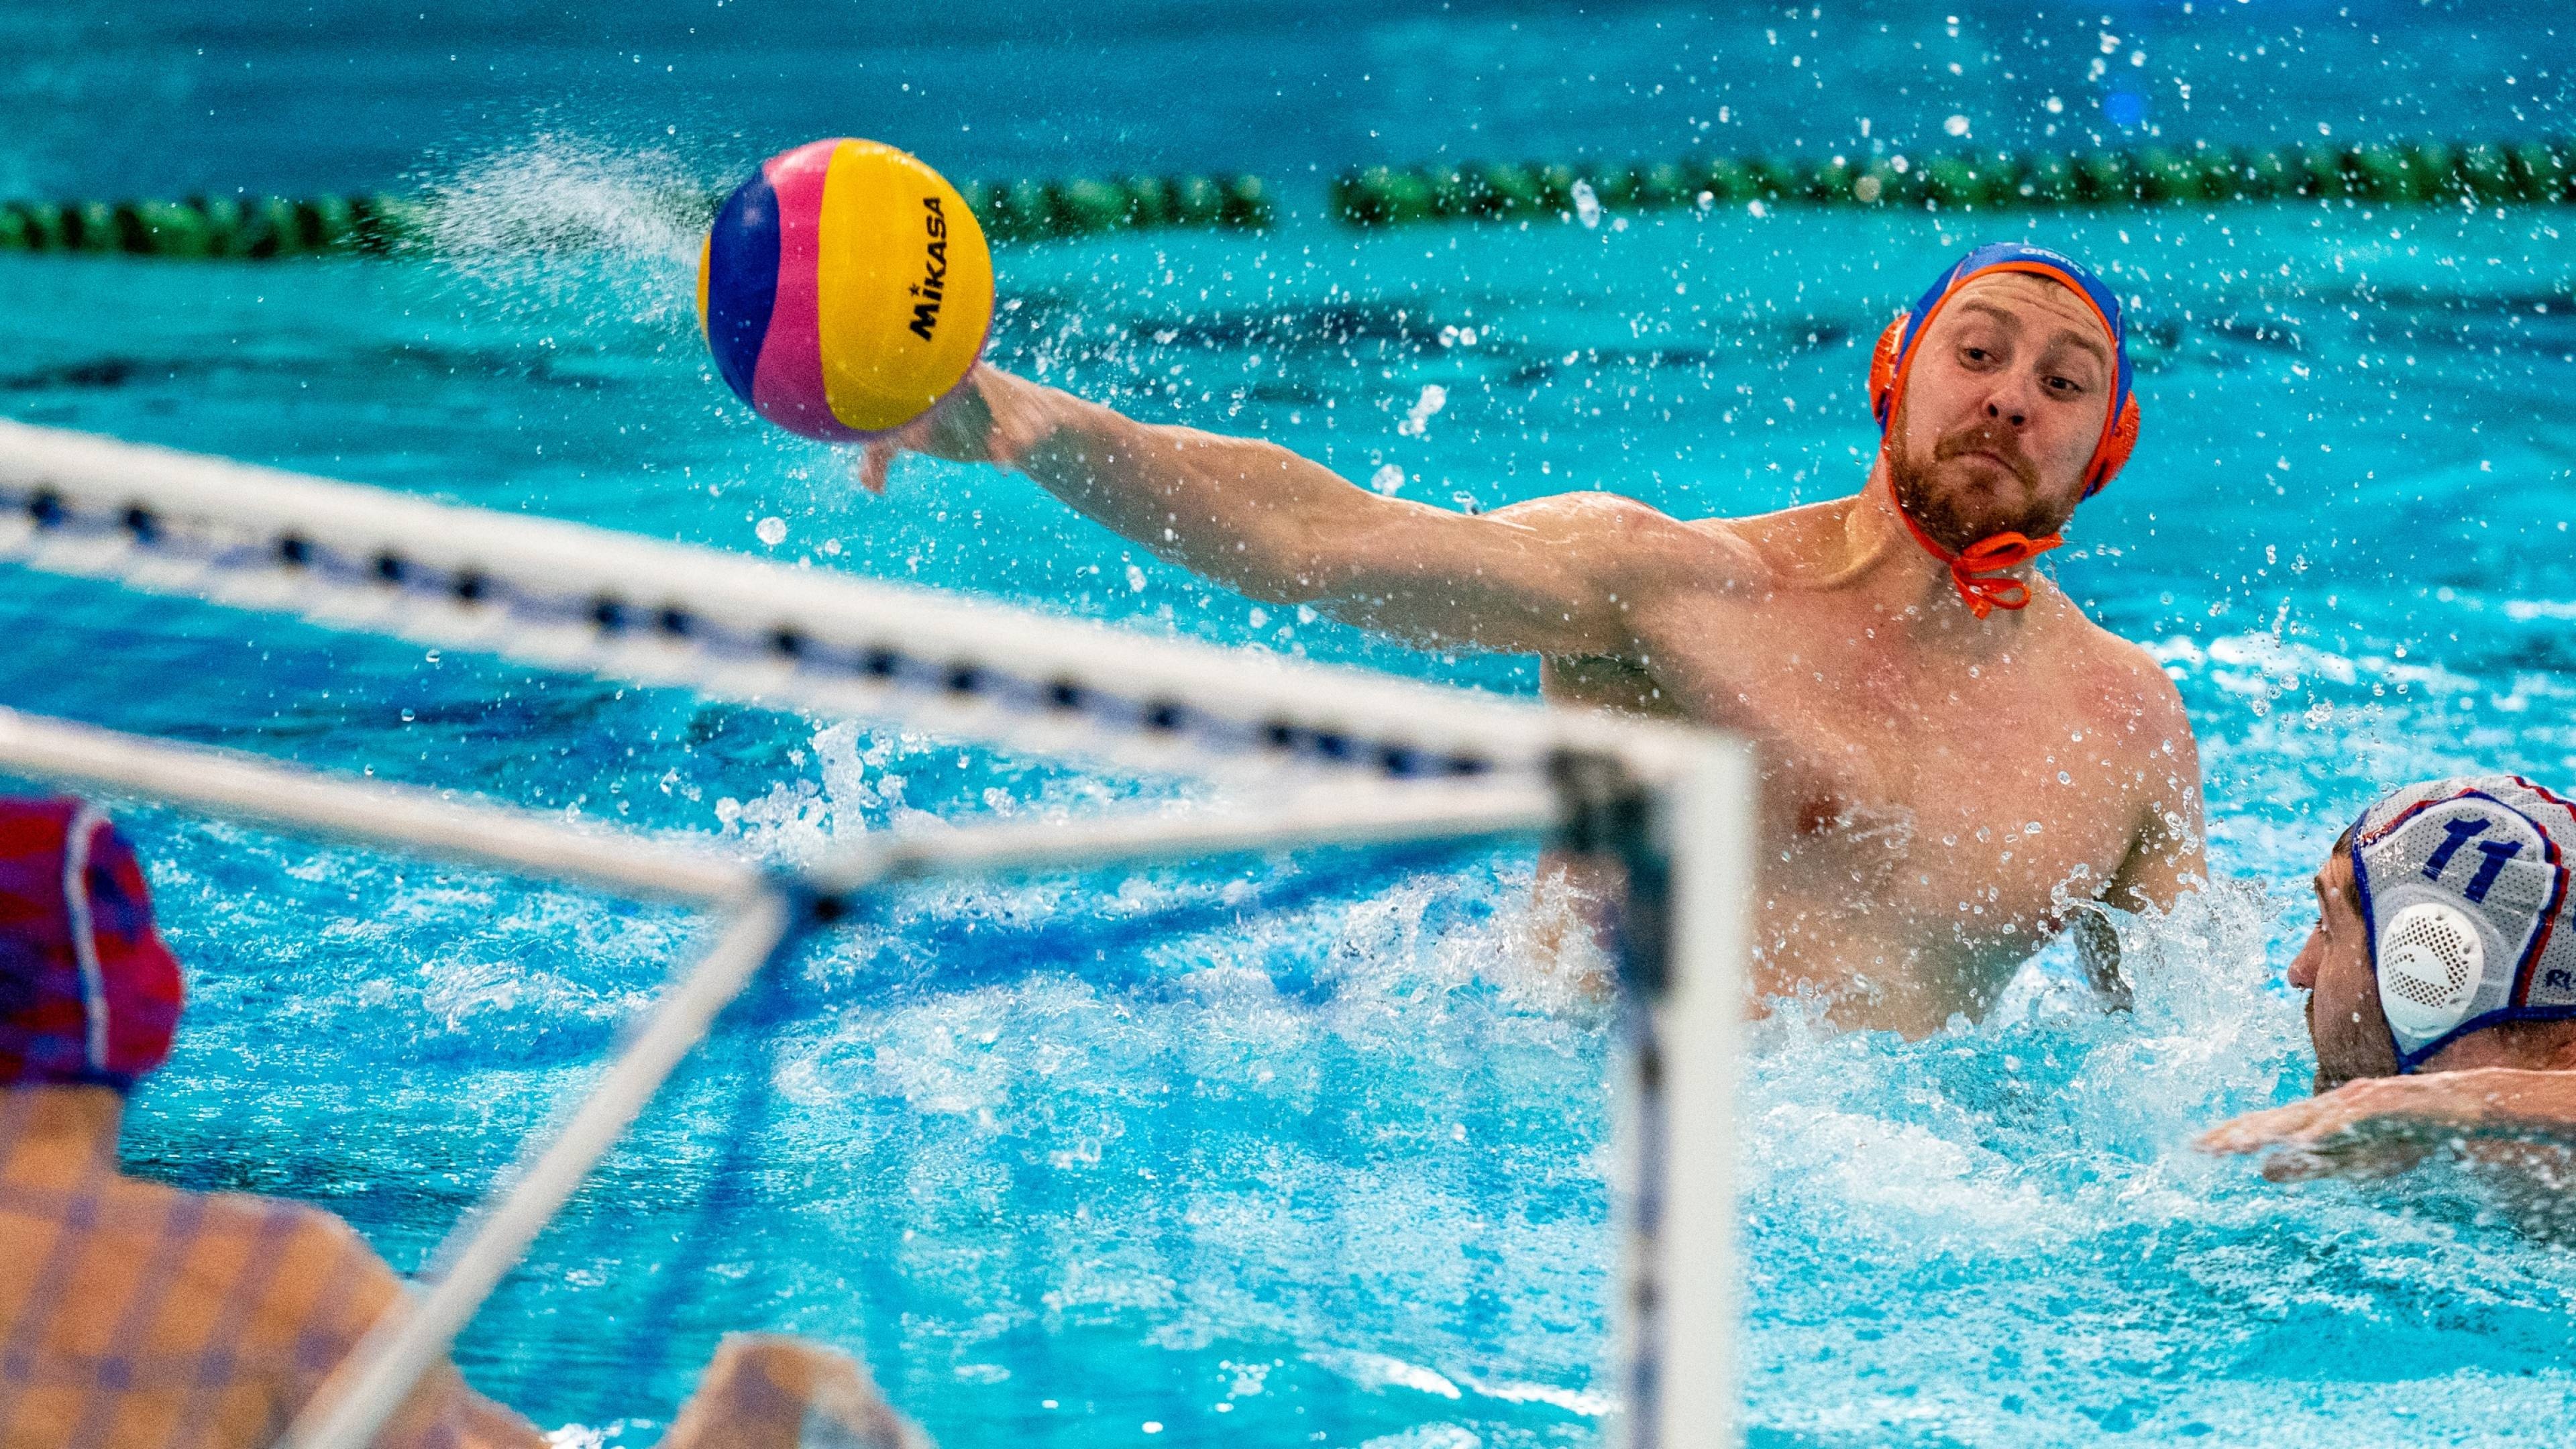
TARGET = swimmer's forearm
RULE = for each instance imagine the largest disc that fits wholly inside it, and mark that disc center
(2503, 1099)
(1551, 576)
(1248, 514)
(2349, 1127)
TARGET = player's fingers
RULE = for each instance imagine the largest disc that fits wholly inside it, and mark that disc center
(874, 461)
(2225, 1140)
(2222, 1142)
(2257, 1130)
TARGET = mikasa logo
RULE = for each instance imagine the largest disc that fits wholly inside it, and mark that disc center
(934, 271)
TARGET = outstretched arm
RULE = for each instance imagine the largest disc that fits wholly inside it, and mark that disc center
(1554, 576)
(2380, 1125)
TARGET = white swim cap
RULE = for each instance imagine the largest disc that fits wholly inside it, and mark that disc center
(2464, 893)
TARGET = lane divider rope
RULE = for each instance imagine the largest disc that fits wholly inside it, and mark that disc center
(589, 600)
(2427, 173)
(2397, 173)
(372, 224)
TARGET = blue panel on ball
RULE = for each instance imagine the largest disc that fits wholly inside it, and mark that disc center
(742, 281)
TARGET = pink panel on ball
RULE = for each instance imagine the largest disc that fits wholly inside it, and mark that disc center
(787, 386)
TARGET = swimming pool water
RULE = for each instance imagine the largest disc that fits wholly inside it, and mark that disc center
(1297, 1151)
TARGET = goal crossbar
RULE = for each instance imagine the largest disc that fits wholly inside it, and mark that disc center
(663, 867)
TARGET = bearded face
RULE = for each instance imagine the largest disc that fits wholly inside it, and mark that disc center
(1974, 482)
(2002, 408)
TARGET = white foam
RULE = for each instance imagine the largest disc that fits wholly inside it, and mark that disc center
(570, 232)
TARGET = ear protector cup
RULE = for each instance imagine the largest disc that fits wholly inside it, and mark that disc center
(1882, 369)
(2431, 962)
(2114, 454)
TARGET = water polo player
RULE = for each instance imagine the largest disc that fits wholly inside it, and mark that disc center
(2441, 981)
(137, 1314)
(1952, 752)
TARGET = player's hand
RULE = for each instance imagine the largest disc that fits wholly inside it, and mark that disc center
(2368, 1128)
(994, 418)
(765, 1391)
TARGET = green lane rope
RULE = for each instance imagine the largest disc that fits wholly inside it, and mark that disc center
(2428, 173)
(203, 227)
(1036, 210)
(277, 227)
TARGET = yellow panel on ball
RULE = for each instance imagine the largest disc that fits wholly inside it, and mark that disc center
(904, 287)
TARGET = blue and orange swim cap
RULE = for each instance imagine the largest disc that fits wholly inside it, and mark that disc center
(1894, 358)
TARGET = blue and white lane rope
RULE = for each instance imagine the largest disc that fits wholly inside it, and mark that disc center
(573, 597)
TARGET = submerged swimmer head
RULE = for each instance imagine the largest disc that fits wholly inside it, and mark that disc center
(2443, 913)
(2003, 400)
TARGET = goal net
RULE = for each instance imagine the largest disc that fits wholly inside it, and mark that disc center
(1314, 757)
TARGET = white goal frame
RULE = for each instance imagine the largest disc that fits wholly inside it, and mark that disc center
(1673, 806)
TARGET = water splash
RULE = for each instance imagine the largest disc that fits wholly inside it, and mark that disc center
(561, 219)
(800, 819)
(558, 192)
(2019, 1199)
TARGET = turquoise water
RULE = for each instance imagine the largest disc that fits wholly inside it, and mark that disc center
(1297, 1151)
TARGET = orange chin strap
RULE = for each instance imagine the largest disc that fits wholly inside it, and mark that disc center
(1969, 568)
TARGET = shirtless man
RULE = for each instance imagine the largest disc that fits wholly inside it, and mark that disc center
(2441, 981)
(1956, 760)
(136, 1315)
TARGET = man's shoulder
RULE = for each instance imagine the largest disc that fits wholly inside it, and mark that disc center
(2126, 671)
(1591, 510)
(1809, 541)
(1634, 534)
(290, 1244)
(303, 1270)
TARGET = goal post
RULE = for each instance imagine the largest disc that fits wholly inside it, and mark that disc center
(1335, 755)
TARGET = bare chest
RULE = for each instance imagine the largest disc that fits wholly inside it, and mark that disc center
(1974, 801)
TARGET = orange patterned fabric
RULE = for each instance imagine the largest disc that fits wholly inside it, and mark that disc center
(137, 1316)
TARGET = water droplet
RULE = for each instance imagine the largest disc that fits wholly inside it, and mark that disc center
(772, 531)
